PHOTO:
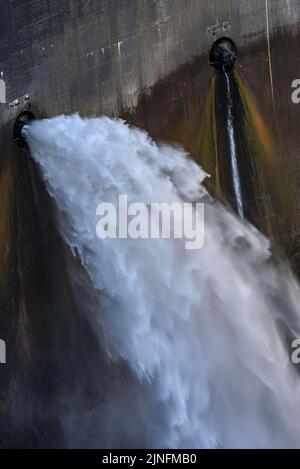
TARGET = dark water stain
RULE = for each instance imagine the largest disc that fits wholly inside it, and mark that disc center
(179, 110)
(56, 369)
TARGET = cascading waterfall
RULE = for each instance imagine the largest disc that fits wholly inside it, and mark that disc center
(200, 331)
(233, 152)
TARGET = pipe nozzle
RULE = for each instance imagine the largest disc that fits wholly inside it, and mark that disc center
(22, 128)
(223, 54)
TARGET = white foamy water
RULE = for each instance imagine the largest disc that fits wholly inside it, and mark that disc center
(197, 329)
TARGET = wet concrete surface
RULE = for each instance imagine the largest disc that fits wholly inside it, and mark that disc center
(147, 61)
(174, 111)
(50, 368)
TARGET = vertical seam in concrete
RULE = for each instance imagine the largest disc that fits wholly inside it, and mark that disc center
(269, 53)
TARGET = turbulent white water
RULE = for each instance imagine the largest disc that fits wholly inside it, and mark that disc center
(197, 329)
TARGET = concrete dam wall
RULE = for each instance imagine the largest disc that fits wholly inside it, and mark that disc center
(141, 59)
(97, 55)
(147, 62)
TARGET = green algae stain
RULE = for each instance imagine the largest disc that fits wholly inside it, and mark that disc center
(207, 154)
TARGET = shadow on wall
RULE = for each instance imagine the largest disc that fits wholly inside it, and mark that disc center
(48, 383)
